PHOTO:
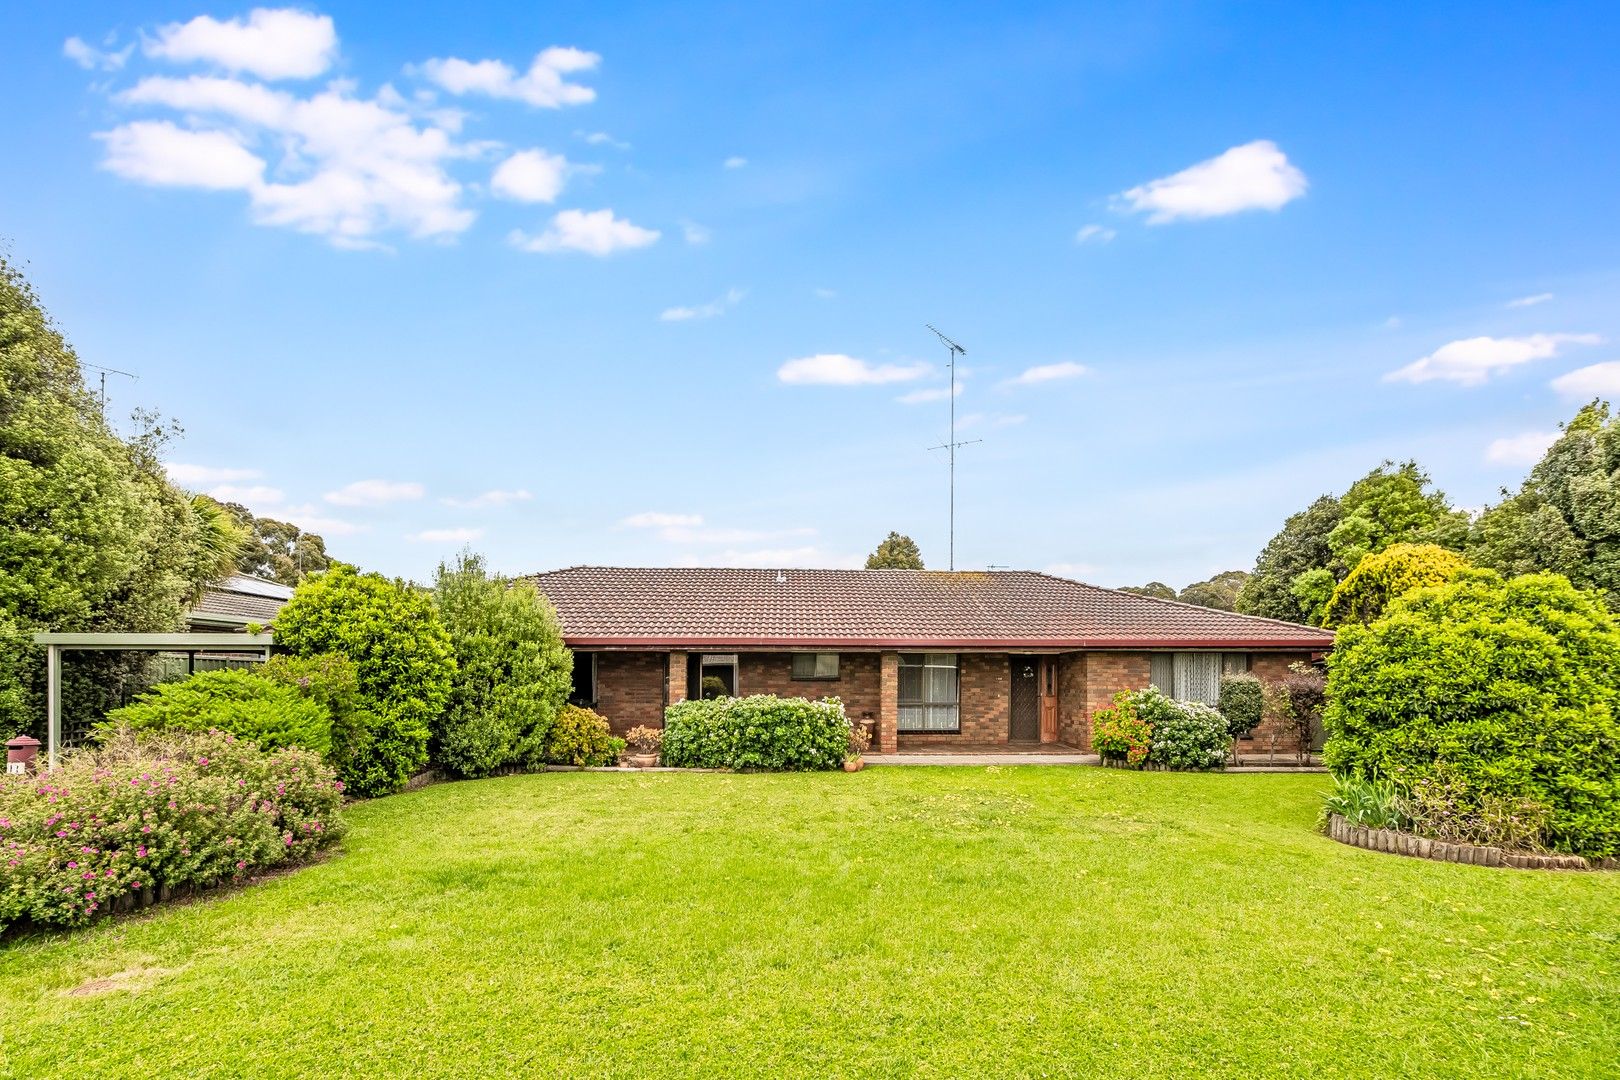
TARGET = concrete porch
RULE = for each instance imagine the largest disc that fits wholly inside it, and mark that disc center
(976, 752)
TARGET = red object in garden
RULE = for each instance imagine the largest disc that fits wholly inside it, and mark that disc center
(20, 753)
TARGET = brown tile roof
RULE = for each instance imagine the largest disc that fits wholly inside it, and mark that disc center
(239, 600)
(671, 607)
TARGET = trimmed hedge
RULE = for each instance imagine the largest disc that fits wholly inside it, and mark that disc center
(234, 700)
(1242, 703)
(150, 811)
(758, 732)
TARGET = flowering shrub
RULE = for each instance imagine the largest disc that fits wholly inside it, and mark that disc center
(581, 737)
(643, 739)
(1120, 733)
(233, 700)
(860, 738)
(758, 732)
(1186, 734)
(145, 811)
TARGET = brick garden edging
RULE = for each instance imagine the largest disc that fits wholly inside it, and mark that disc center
(1421, 847)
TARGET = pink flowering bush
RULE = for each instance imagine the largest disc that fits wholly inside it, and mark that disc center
(144, 811)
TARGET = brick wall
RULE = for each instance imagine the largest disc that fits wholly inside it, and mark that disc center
(1107, 673)
(1074, 722)
(1271, 737)
(985, 689)
(630, 689)
(856, 685)
(888, 701)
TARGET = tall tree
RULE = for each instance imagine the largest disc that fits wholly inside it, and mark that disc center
(278, 550)
(897, 552)
(92, 534)
(1219, 592)
(1301, 547)
(1565, 517)
(1156, 589)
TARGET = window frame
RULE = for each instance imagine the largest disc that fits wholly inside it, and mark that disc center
(591, 657)
(1226, 663)
(837, 667)
(927, 706)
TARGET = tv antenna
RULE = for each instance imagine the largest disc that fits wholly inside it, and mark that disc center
(951, 444)
(106, 371)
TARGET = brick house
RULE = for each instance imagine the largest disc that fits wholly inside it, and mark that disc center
(933, 658)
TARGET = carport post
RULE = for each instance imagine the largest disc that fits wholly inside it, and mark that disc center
(53, 703)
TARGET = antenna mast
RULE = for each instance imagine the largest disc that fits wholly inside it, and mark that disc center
(106, 371)
(951, 444)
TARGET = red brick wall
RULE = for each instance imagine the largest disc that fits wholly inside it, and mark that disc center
(888, 701)
(985, 691)
(1107, 673)
(1074, 722)
(630, 689)
(1268, 667)
(856, 685)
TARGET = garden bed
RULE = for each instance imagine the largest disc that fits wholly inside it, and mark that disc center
(1422, 847)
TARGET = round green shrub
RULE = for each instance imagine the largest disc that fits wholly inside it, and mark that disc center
(233, 700)
(1186, 734)
(1118, 733)
(580, 737)
(403, 663)
(1242, 702)
(513, 672)
(1379, 579)
(1502, 690)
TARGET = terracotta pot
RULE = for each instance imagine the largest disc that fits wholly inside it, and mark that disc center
(854, 765)
(641, 761)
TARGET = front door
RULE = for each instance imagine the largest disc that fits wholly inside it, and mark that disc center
(1024, 700)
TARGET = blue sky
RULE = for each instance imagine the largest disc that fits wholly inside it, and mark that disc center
(647, 284)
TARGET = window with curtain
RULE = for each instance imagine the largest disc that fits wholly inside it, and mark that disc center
(929, 690)
(1190, 676)
(823, 665)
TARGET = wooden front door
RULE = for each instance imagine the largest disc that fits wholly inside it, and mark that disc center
(1049, 699)
(1024, 699)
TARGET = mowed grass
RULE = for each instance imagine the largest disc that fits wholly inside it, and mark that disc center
(1042, 921)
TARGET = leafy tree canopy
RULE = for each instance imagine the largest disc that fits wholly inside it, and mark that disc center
(1379, 579)
(1220, 591)
(278, 550)
(92, 534)
(1565, 518)
(1157, 589)
(897, 552)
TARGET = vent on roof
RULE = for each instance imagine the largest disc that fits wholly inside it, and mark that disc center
(781, 578)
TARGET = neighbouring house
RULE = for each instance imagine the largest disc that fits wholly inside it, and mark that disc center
(231, 604)
(933, 658)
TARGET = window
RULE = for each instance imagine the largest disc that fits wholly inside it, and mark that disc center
(929, 701)
(584, 689)
(815, 665)
(1190, 676)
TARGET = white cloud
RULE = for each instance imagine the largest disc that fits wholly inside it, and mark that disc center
(495, 497)
(735, 162)
(1394, 322)
(187, 475)
(374, 493)
(458, 535)
(247, 494)
(91, 58)
(1254, 176)
(1070, 569)
(1597, 380)
(695, 234)
(348, 168)
(1530, 301)
(157, 152)
(836, 369)
(602, 138)
(932, 393)
(544, 85)
(655, 519)
(273, 43)
(1094, 234)
(825, 294)
(596, 232)
(1525, 449)
(731, 299)
(1471, 361)
(1043, 373)
(530, 176)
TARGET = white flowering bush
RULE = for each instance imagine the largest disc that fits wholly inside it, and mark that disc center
(1186, 734)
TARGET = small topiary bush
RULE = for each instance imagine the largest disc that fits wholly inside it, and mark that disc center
(581, 737)
(146, 811)
(758, 732)
(403, 663)
(1242, 700)
(233, 700)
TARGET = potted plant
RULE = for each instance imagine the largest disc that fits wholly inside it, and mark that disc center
(644, 744)
(860, 737)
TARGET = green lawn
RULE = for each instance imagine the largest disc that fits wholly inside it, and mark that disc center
(945, 921)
